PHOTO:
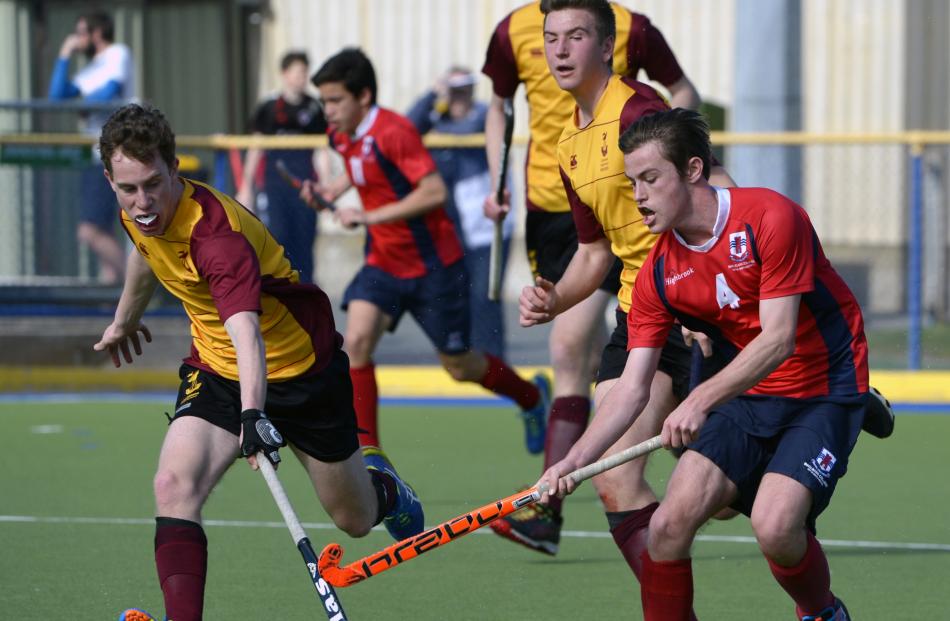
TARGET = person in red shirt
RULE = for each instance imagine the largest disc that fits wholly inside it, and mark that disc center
(413, 255)
(770, 434)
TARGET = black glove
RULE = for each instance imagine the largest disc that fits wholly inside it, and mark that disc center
(260, 435)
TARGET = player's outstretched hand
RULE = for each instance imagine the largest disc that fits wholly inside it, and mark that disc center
(494, 211)
(350, 218)
(116, 338)
(555, 482)
(705, 343)
(259, 434)
(310, 189)
(536, 304)
(682, 425)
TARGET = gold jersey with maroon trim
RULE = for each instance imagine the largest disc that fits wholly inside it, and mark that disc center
(219, 259)
(598, 190)
(516, 54)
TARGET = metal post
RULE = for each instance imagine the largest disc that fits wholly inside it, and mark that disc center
(915, 241)
(220, 178)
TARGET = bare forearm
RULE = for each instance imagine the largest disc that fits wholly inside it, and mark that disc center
(137, 291)
(245, 333)
(617, 412)
(760, 357)
(684, 95)
(494, 136)
(428, 195)
(586, 271)
(251, 162)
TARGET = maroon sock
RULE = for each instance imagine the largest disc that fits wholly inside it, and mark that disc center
(666, 589)
(366, 403)
(566, 424)
(502, 380)
(809, 582)
(629, 530)
(181, 556)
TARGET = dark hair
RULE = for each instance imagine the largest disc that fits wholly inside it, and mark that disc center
(680, 134)
(352, 68)
(293, 56)
(101, 21)
(141, 132)
(604, 19)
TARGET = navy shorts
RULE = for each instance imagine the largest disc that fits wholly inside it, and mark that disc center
(808, 440)
(313, 412)
(98, 205)
(551, 241)
(437, 301)
(675, 359)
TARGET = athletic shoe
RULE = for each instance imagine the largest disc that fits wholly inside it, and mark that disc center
(535, 419)
(835, 612)
(536, 526)
(878, 415)
(134, 614)
(406, 518)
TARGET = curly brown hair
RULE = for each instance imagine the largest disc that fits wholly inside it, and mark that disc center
(140, 131)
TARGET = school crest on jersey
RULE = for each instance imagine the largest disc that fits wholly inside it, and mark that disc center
(738, 246)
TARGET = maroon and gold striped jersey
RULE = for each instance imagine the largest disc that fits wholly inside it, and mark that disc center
(516, 54)
(219, 260)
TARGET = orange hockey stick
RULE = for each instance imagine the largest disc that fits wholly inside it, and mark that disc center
(449, 531)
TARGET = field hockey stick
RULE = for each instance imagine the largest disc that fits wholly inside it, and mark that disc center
(497, 243)
(331, 603)
(296, 183)
(449, 531)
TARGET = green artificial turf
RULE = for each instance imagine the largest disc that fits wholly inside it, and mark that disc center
(80, 468)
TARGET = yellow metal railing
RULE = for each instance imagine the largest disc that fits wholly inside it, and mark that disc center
(230, 141)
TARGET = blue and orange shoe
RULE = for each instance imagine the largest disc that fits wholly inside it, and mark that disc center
(536, 419)
(134, 614)
(406, 517)
(835, 612)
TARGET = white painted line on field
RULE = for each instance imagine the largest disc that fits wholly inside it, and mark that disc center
(577, 534)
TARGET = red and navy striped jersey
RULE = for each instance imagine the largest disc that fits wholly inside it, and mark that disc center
(764, 246)
(385, 160)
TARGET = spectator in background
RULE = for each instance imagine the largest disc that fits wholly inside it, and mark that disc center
(290, 112)
(450, 108)
(107, 77)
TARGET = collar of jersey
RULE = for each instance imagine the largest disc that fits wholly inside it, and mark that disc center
(366, 123)
(722, 216)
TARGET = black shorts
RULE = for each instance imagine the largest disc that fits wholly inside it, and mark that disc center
(313, 412)
(551, 241)
(675, 359)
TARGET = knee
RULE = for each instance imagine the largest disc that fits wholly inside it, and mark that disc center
(460, 368)
(619, 490)
(567, 354)
(173, 491)
(352, 523)
(775, 534)
(359, 348)
(668, 528)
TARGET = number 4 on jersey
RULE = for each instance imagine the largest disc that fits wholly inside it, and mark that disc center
(724, 295)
